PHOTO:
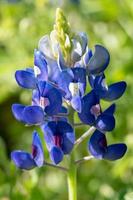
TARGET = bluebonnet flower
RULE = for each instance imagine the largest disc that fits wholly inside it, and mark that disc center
(99, 149)
(62, 63)
(108, 93)
(94, 63)
(74, 86)
(46, 99)
(27, 161)
(40, 111)
(92, 114)
(60, 138)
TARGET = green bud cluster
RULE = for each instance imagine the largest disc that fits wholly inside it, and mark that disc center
(63, 34)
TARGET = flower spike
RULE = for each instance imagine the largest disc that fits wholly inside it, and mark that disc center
(62, 63)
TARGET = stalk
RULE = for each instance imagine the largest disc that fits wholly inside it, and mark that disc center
(72, 181)
(72, 172)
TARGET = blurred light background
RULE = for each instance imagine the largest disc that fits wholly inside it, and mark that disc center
(22, 23)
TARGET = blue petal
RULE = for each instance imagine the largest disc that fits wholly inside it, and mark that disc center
(87, 57)
(82, 88)
(25, 79)
(79, 74)
(44, 46)
(76, 51)
(80, 78)
(97, 82)
(41, 64)
(37, 150)
(41, 88)
(75, 75)
(65, 78)
(79, 46)
(36, 97)
(17, 110)
(110, 110)
(97, 145)
(115, 151)
(84, 41)
(28, 69)
(68, 142)
(61, 62)
(115, 91)
(56, 155)
(33, 115)
(54, 97)
(23, 160)
(76, 103)
(61, 129)
(49, 130)
(105, 123)
(53, 70)
(99, 61)
(68, 136)
(87, 102)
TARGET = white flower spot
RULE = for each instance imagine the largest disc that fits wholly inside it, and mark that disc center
(104, 85)
(37, 71)
(74, 88)
(44, 102)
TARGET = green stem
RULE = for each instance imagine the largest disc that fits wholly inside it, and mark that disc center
(72, 172)
(72, 182)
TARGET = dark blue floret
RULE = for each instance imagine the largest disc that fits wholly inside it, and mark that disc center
(25, 160)
(97, 144)
(105, 122)
(99, 149)
(115, 151)
(114, 92)
(92, 114)
(46, 101)
(53, 96)
(88, 101)
(110, 110)
(108, 93)
(73, 83)
(60, 138)
(97, 82)
(33, 115)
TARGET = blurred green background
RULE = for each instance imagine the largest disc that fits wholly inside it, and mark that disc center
(22, 24)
